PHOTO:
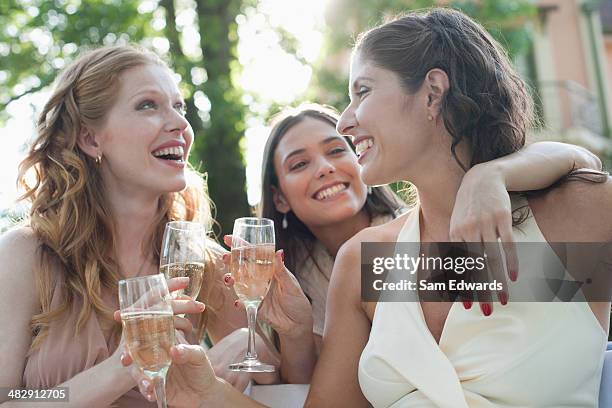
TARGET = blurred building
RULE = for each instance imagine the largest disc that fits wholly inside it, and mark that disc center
(570, 68)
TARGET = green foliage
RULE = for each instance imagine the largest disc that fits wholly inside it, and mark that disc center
(38, 38)
(507, 20)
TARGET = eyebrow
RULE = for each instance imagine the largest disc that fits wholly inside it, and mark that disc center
(155, 91)
(325, 141)
(360, 78)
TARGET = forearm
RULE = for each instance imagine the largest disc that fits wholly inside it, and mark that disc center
(539, 165)
(98, 386)
(298, 358)
(224, 395)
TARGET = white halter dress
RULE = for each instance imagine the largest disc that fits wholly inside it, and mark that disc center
(524, 355)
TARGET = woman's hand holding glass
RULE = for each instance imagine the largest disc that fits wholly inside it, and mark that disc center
(190, 380)
(286, 308)
(147, 316)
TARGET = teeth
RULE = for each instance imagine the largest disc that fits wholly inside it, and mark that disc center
(363, 146)
(175, 151)
(330, 192)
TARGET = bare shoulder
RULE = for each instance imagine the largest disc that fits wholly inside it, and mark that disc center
(386, 232)
(18, 257)
(347, 267)
(575, 211)
(18, 249)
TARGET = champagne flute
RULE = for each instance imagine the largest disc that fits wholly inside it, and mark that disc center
(183, 254)
(148, 326)
(252, 267)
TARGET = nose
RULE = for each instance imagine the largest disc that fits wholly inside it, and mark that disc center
(325, 168)
(176, 122)
(347, 121)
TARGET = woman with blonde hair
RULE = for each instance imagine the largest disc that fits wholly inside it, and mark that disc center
(106, 172)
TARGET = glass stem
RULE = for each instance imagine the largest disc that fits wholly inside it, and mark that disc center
(251, 310)
(160, 391)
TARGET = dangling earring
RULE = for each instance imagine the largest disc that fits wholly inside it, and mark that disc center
(369, 190)
(98, 159)
(285, 224)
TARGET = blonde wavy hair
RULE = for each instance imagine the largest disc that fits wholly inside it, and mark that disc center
(69, 212)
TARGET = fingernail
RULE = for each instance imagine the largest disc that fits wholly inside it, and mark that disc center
(184, 279)
(150, 397)
(226, 257)
(467, 304)
(282, 255)
(503, 298)
(513, 275)
(236, 303)
(200, 305)
(486, 309)
(227, 278)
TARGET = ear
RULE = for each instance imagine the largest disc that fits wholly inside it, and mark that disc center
(280, 202)
(87, 142)
(436, 85)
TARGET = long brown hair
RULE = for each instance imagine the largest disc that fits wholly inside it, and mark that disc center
(487, 105)
(69, 212)
(297, 238)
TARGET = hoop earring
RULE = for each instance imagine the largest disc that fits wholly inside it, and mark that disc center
(285, 224)
(98, 159)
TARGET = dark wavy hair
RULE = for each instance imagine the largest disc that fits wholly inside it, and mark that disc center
(297, 237)
(487, 105)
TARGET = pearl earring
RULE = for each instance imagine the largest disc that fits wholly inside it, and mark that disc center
(285, 224)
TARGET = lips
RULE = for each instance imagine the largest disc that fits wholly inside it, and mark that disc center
(173, 150)
(330, 190)
(362, 144)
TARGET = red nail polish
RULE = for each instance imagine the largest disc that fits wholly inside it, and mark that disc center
(513, 275)
(282, 255)
(486, 309)
(503, 298)
(467, 304)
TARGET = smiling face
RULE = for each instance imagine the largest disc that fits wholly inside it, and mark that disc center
(390, 127)
(318, 175)
(145, 138)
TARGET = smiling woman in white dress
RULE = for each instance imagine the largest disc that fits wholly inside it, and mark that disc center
(432, 94)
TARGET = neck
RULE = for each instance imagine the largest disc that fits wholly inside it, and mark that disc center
(437, 192)
(334, 235)
(133, 215)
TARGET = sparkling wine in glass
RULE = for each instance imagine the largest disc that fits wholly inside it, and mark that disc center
(148, 327)
(183, 254)
(252, 267)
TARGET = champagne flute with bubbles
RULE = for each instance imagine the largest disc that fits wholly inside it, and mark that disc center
(148, 327)
(183, 253)
(252, 267)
